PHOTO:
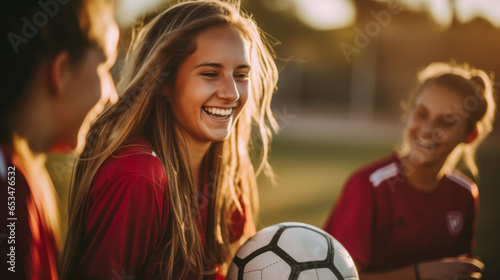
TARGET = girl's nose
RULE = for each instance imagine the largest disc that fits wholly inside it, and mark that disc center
(229, 90)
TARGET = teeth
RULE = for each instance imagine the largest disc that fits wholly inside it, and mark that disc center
(218, 111)
(425, 143)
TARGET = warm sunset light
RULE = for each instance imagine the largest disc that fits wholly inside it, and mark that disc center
(335, 14)
(130, 10)
(470, 9)
(326, 14)
(442, 11)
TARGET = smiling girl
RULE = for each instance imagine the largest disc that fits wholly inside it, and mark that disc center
(400, 216)
(165, 188)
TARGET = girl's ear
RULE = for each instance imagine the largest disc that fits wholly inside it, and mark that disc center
(472, 136)
(59, 73)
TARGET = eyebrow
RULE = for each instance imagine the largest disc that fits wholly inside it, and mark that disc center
(218, 65)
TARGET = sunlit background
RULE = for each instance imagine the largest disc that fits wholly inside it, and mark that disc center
(345, 67)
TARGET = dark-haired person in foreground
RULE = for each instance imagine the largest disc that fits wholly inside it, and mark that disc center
(56, 57)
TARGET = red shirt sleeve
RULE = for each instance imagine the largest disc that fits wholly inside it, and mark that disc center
(123, 227)
(351, 220)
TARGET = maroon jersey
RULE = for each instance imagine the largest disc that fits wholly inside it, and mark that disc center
(28, 248)
(385, 223)
(127, 217)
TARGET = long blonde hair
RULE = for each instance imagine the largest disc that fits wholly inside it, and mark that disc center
(475, 86)
(143, 110)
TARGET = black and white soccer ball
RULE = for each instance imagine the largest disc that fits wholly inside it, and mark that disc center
(292, 251)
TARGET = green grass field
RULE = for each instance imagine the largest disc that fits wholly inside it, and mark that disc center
(311, 175)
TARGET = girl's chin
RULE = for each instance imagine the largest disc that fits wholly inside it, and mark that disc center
(418, 156)
(218, 133)
(218, 137)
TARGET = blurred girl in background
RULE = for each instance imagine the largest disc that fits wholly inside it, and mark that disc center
(56, 60)
(165, 188)
(398, 217)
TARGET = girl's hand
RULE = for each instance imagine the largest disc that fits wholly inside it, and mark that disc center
(460, 268)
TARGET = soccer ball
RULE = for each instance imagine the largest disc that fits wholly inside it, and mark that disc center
(292, 251)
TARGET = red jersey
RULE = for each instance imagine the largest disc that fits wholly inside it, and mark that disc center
(127, 217)
(28, 249)
(385, 223)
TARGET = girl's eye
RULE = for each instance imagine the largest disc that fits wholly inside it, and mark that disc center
(447, 124)
(242, 76)
(209, 74)
(420, 114)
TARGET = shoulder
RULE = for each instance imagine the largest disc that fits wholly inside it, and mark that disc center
(135, 159)
(462, 182)
(131, 177)
(131, 170)
(375, 173)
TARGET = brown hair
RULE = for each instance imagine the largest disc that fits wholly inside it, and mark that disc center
(30, 42)
(153, 61)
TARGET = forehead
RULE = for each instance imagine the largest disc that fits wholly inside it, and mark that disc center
(221, 44)
(440, 99)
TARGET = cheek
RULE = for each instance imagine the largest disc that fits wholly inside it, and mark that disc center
(412, 124)
(460, 136)
(85, 93)
(244, 92)
(440, 135)
(185, 106)
(92, 87)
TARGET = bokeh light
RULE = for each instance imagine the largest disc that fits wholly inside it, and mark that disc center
(443, 11)
(128, 11)
(468, 10)
(326, 14)
(318, 14)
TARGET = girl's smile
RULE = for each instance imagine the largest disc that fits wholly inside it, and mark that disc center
(218, 113)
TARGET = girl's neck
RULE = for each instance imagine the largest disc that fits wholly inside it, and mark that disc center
(423, 177)
(196, 155)
(196, 151)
